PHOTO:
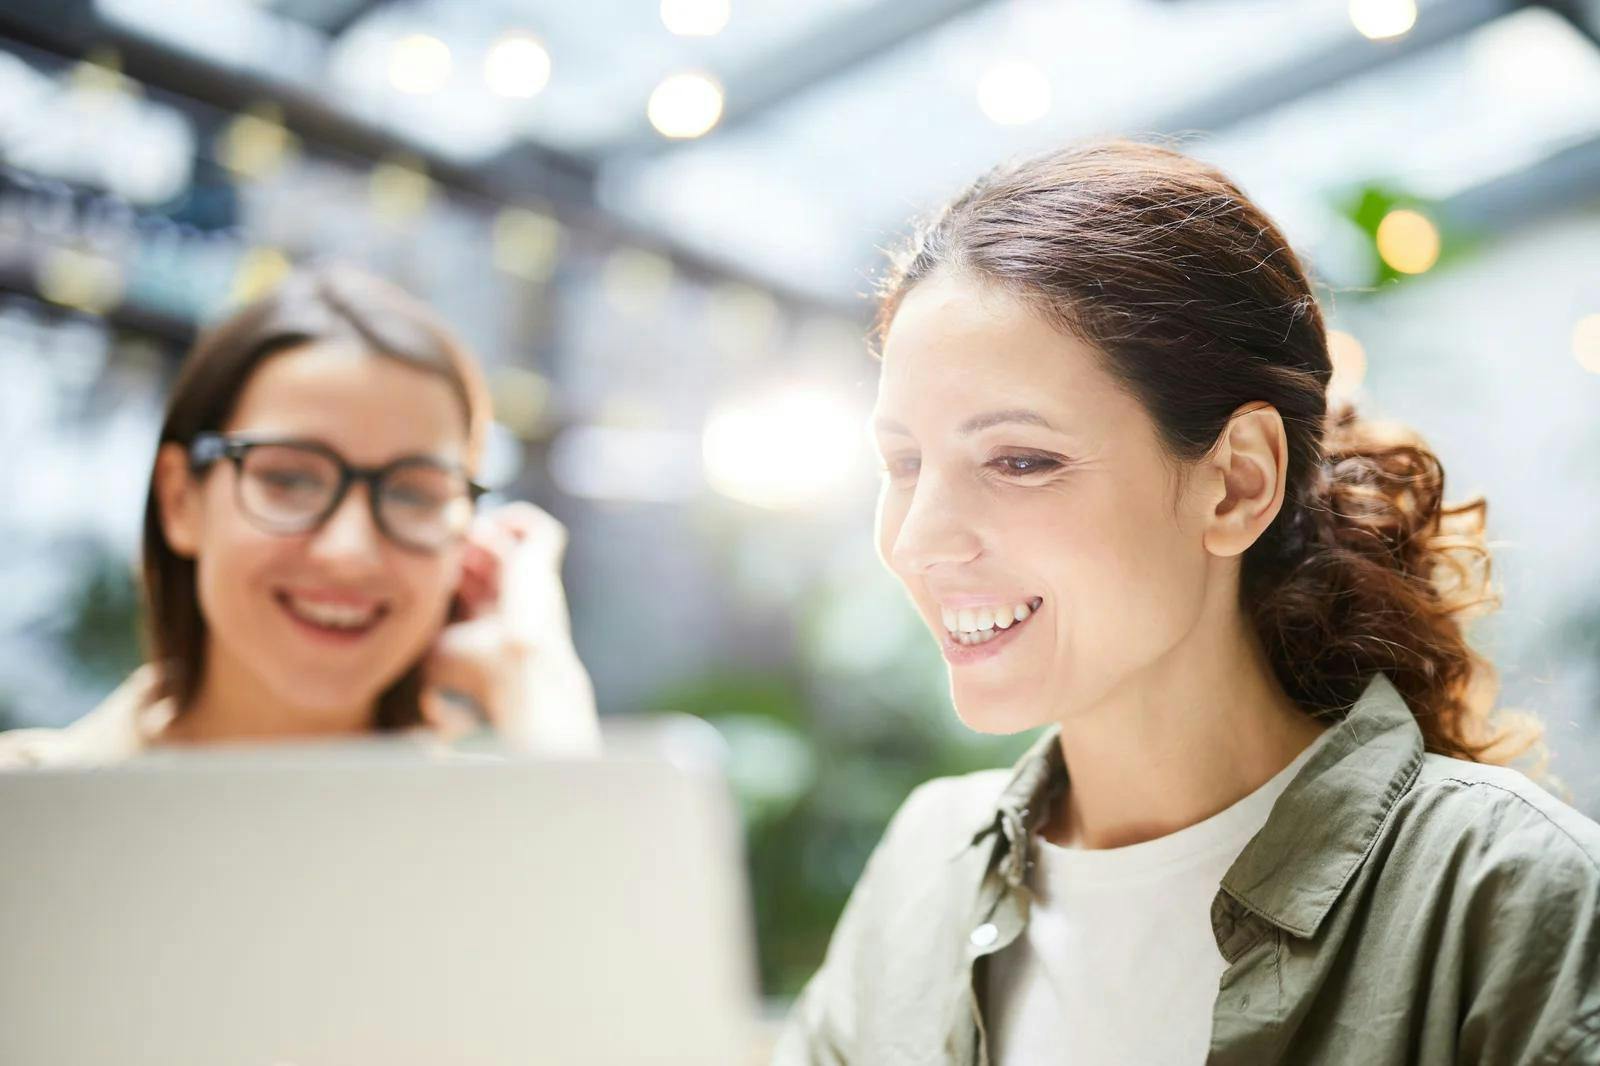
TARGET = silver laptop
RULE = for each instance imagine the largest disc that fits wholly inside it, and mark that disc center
(375, 906)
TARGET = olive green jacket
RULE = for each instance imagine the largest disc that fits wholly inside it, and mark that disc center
(1397, 907)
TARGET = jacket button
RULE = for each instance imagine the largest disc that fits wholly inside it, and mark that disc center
(985, 934)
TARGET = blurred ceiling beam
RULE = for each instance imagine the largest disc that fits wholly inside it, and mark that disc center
(1307, 75)
(343, 15)
(833, 49)
(1570, 178)
(1584, 15)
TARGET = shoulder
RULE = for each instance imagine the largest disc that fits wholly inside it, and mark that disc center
(1489, 837)
(885, 982)
(115, 730)
(919, 864)
(1499, 817)
(941, 816)
(1515, 873)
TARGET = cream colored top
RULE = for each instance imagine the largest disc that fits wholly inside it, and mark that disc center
(125, 724)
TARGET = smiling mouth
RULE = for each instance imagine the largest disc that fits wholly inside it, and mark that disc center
(982, 624)
(344, 620)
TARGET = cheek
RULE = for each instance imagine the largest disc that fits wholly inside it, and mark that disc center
(891, 513)
(1129, 572)
(426, 585)
(230, 566)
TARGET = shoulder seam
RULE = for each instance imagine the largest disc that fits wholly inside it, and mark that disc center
(1524, 801)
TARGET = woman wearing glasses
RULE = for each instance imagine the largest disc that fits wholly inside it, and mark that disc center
(313, 565)
(1269, 820)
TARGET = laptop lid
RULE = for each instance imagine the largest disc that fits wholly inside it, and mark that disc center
(373, 905)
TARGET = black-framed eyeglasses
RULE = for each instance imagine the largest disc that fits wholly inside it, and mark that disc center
(291, 486)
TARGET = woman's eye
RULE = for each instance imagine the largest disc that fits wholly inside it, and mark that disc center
(291, 481)
(1020, 465)
(902, 467)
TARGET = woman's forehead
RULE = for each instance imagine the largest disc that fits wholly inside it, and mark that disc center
(955, 351)
(368, 407)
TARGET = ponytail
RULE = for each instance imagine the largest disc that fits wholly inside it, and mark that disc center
(1377, 572)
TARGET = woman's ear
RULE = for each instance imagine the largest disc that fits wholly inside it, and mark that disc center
(178, 497)
(1248, 468)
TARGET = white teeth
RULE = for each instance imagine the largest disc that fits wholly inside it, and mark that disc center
(333, 616)
(985, 622)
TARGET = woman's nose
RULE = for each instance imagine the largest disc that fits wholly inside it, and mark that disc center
(349, 534)
(937, 529)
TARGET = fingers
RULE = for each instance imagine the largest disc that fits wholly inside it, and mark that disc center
(521, 529)
(464, 671)
(451, 713)
(479, 586)
(522, 522)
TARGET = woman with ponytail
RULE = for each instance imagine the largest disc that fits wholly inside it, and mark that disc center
(1272, 819)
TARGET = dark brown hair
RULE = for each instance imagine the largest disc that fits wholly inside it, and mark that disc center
(328, 304)
(1197, 305)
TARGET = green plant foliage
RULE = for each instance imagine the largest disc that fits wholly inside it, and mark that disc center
(823, 754)
(1367, 205)
(103, 619)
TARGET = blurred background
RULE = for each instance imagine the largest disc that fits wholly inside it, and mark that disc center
(658, 222)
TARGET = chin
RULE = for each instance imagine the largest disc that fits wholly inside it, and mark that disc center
(332, 698)
(996, 715)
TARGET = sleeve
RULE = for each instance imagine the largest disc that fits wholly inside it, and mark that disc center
(1533, 994)
(822, 1028)
(22, 748)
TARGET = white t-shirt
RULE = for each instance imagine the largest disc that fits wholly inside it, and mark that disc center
(1118, 963)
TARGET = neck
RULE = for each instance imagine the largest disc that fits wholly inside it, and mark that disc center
(233, 704)
(1185, 738)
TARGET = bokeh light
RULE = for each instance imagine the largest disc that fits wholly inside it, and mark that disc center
(1349, 358)
(794, 448)
(1408, 241)
(527, 244)
(419, 64)
(1586, 343)
(255, 144)
(1383, 19)
(260, 271)
(695, 18)
(399, 189)
(685, 106)
(80, 280)
(521, 400)
(636, 281)
(517, 66)
(99, 74)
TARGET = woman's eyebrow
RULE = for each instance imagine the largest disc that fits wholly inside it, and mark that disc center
(889, 425)
(977, 423)
(1020, 415)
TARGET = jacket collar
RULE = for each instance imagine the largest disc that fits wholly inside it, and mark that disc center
(1322, 827)
(1319, 832)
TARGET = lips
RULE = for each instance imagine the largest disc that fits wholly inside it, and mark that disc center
(340, 615)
